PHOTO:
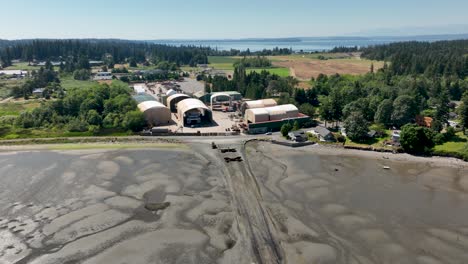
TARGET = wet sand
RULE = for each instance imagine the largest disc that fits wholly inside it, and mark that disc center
(89, 206)
(187, 205)
(348, 209)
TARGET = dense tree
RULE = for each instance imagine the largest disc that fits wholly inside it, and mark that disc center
(82, 75)
(463, 111)
(383, 115)
(285, 129)
(416, 140)
(307, 109)
(441, 58)
(356, 126)
(404, 110)
(134, 120)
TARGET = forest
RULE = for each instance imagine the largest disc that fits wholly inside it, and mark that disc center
(436, 59)
(111, 51)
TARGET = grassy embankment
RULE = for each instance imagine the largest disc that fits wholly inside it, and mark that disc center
(457, 147)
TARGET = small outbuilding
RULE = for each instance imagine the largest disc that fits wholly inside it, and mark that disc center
(297, 136)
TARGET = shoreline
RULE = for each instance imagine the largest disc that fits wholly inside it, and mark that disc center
(136, 142)
(396, 157)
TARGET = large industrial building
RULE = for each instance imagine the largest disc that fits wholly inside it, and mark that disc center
(155, 113)
(193, 112)
(173, 101)
(257, 104)
(267, 119)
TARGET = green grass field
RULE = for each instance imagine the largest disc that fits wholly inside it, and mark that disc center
(283, 72)
(67, 82)
(457, 145)
(21, 133)
(15, 108)
(22, 66)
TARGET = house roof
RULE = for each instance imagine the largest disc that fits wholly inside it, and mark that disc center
(298, 133)
(143, 97)
(322, 131)
(38, 90)
(424, 121)
(261, 103)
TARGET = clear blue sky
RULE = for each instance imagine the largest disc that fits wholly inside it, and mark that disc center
(214, 19)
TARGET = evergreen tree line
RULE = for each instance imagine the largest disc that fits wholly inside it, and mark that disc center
(119, 51)
(265, 52)
(254, 62)
(441, 58)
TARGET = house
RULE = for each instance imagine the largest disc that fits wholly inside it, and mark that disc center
(322, 133)
(38, 92)
(343, 131)
(297, 136)
(424, 121)
(396, 136)
(100, 76)
(453, 115)
(454, 124)
(372, 134)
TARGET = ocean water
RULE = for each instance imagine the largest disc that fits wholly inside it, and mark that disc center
(304, 44)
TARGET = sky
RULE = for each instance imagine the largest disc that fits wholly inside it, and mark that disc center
(218, 19)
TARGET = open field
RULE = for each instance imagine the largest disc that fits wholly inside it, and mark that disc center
(7, 85)
(22, 66)
(304, 67)
(67, 82)
(222, 63)
(457, 146)
(16, 107)
(283, 72)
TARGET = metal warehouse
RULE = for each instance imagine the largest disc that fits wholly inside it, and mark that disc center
(258, 104)
(155, 113)
(193, 111)
(173, 101)
(274, 113)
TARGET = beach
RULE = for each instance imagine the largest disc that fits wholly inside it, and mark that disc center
(181, 202)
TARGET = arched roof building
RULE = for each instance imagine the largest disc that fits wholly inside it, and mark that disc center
(155, 113)
(193, 111)
(258, 104)
(174, 99)
(274, 113)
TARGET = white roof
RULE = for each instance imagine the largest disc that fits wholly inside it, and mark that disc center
(170, 98)
(170, 92)
(13, 72)
(261, 103)
(259, 111)
(281, 108)
(149, 104)
(139, 88)
(189, 104)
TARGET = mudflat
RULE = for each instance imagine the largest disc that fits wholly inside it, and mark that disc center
(269, 204)
(112, 206)
(348, 209)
